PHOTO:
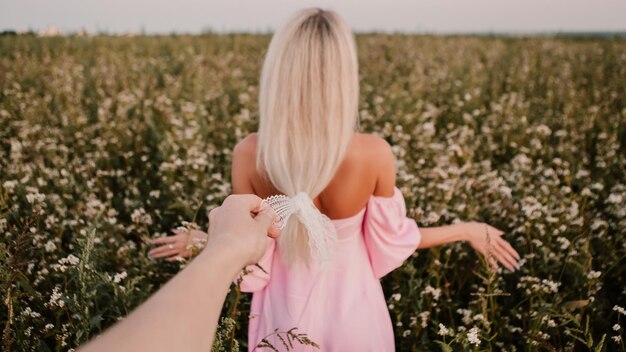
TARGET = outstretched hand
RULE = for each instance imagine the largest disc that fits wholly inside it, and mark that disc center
(487, 240)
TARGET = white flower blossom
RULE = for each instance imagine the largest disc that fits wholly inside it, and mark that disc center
(70, 259)
(435, 292)
(472, 336)
(50, 246)
(119, 276)
(594, 274)
(443, 330)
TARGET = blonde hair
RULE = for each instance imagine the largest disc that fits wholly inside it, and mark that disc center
(308, 107)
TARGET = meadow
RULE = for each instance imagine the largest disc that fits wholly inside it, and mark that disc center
(108, 141)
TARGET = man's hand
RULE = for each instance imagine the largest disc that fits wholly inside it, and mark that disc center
(242, 224)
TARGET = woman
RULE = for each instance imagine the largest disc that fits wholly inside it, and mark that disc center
(308, 142)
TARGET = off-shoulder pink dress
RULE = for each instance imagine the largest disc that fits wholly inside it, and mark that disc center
(342, 308)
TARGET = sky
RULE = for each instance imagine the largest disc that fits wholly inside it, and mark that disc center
(406, 16)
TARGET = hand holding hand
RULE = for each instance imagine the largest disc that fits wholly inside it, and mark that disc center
(242, 224)
(231, 225)
(487, 240)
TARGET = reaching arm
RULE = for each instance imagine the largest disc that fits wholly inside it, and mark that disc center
(440, 235)
(484, 238)
(182, 315)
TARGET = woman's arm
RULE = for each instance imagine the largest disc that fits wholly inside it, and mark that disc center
(440, 235)
(484, 238)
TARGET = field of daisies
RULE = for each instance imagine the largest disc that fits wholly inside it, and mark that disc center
(108, 141)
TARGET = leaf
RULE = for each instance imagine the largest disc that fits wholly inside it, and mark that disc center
(444, 346)
(24, 282)
(94, 322)
(601, 344)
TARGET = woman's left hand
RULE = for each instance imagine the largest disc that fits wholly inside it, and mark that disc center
(487, 240)
(173, 247)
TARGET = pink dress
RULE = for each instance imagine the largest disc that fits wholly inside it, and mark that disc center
(342, 308)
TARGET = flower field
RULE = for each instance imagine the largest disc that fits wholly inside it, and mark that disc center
(108, 141)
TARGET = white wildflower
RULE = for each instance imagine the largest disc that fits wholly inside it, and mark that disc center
(594, 274)
(479, 317)
(55, 298)
(35, 197)
(139, 216)
(50, 246)
(615, 199)
(29, 312)
(565, 243)
(118, 277)
(619, 309)
(435, 292)
(472, 336)
(429, 129)
(70, 259)
(443, 330)
(9, 185)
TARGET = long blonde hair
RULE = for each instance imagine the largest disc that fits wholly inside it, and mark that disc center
(308, 107)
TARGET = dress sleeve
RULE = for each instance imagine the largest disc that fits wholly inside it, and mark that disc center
(255, 279)
(390, 236)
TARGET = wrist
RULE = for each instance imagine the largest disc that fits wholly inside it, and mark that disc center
(227, 251)
(465, 230)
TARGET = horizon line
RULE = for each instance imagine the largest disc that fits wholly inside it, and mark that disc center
(206, 31)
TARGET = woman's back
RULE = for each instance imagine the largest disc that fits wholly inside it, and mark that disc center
(342, 307)
(367, 169)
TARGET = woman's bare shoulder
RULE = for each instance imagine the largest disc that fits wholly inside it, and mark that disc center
(373, 148)
(247, 146)
(374, 142)
(378, 155)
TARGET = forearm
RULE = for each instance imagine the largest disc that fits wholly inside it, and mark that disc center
(436, 236)
(169, 321)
